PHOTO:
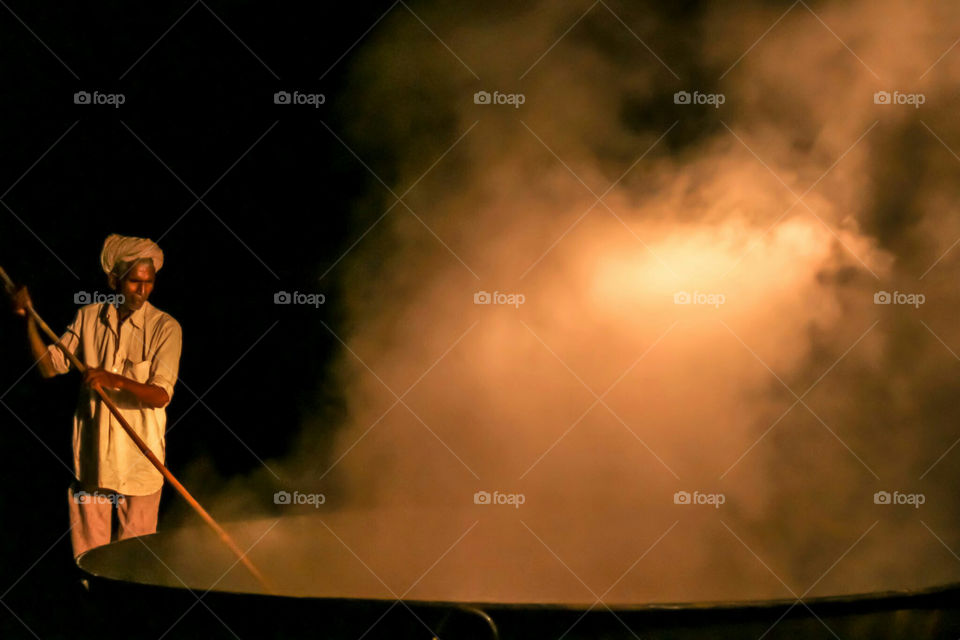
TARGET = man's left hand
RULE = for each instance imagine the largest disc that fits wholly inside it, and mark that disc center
(101, 378)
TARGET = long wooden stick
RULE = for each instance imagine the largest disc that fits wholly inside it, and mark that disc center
(224, 536)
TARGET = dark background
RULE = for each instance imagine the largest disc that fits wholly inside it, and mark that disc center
(277, 220)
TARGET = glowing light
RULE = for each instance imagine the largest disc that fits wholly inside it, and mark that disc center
(733, 259)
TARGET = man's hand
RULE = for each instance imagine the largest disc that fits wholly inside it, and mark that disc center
(102, 379)
(149, 394)
(21, 306)
(21, 301)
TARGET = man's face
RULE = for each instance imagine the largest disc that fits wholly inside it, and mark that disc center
(136, 285)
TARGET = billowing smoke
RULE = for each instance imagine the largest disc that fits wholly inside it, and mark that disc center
(601, 297)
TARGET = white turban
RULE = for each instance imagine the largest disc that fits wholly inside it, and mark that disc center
(122, 249)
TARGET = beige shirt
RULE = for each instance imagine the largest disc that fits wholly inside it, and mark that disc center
(145, 348)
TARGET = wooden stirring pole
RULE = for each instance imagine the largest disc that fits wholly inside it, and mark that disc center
(224, 536)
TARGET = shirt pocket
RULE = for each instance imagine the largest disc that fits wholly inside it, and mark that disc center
(138, 371)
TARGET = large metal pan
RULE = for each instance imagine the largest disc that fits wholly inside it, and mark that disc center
(414, 573)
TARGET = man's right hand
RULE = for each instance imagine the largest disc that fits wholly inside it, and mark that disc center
(21, 301)
(21, 306)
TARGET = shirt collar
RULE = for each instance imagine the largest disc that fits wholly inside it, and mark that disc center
(112, 317)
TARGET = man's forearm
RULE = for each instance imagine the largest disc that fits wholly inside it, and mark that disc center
(39, 350)
(149, 394)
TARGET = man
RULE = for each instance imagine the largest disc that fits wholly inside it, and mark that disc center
(132, 351)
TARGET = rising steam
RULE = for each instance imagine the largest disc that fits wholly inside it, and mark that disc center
(792, 204)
